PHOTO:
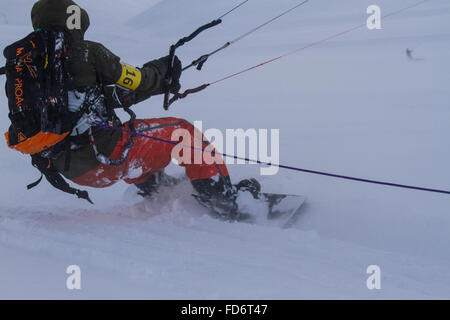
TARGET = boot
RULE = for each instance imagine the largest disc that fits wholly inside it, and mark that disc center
(220, 195)
(250, 185)
(151, 186)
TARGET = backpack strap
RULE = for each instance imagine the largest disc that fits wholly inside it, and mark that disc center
(54, 177)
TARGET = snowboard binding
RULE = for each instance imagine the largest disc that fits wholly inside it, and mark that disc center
(224, 205)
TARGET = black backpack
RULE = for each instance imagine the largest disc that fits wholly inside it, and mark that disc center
(36, 88)
(37, 83)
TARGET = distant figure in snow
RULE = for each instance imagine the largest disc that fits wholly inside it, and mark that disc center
(410, 56)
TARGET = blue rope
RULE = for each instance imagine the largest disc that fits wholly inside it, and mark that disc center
(397, 185)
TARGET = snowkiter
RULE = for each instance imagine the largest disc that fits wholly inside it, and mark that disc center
(96, 156)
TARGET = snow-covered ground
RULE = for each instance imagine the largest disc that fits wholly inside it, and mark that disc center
(354, 105)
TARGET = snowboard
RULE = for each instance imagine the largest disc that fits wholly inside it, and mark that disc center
(272, 209)
(281, 210)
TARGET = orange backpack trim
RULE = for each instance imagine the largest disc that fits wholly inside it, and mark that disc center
(38, 142)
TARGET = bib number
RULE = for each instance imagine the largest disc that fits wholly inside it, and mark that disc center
(130, 78)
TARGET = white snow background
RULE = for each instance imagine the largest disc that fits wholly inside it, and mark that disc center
(354, 105)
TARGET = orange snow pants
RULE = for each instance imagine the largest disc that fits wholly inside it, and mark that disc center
(150, 155)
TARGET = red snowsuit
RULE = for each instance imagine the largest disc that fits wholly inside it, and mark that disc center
(149, 156)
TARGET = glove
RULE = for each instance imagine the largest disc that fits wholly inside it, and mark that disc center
(162, 65)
